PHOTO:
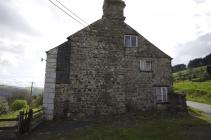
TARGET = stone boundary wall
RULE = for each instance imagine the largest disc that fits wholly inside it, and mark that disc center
(50, 80)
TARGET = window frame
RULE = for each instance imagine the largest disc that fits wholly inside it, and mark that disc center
(130, 41)
(144, 67)
(163, 94)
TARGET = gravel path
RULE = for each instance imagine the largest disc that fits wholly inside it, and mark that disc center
(200, 106)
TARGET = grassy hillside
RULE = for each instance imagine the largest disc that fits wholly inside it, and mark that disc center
(194, 74)
(195, 83)
(195, 91)
(13, 91)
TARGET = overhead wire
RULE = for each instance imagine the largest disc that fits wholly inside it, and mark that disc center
(66, 13)
(71, 11)
(81, 20)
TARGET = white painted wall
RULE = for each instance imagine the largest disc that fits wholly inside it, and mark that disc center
(50, 82)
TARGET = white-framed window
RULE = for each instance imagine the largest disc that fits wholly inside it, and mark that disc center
(162, 94)
(146, 65)
(130, 41)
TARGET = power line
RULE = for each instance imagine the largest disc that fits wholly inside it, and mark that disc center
(66, 13)
(71, 11)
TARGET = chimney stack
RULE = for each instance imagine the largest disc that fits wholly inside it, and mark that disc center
(114, 9)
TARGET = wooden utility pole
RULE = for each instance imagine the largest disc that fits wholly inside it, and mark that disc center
(30, 100)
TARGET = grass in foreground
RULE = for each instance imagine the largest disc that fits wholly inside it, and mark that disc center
(133, 126)
(195, 91)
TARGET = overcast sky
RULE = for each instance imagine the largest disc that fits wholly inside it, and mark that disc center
(28, 28)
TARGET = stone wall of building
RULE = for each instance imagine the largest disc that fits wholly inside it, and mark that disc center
(105, 76)
(93, 73)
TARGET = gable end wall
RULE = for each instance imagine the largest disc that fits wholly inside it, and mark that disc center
(104, 76)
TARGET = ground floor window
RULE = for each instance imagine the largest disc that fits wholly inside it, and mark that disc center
(162, 94)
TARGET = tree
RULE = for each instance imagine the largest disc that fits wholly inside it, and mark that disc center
(37, 101)
(198, 62)
(207, 59)
(179, 67)
(19, 104)
(209, 70)
(4, 108)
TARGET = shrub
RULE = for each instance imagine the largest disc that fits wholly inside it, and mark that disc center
(18, 104)
(209, 70)
(4, 108)
(179, 67)
(37, 101)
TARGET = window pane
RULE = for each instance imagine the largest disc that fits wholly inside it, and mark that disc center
(162, 94)
(134, 41)
(165, 94)
(141, 65)
(127, 41)
(158, 94)
(164, 91)
(148, 66)
(145, 65)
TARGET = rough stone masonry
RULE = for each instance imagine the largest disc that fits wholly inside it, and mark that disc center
(106, 68)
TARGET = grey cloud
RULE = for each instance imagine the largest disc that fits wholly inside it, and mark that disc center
(205, 38)
(11, 48)
(193, 49)
(11, 20)
(4, 66)
(208, 14)
(199, 1)
(4, 63)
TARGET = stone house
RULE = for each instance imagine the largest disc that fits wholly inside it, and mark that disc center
(106, 68)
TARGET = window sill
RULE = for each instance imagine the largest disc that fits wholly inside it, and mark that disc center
(146, 71)
(163, 103)
(131, 46)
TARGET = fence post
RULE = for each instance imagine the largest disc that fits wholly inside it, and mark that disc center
(20, 123)
(25, 121)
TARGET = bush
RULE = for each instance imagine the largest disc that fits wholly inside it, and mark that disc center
(18, 104)
(4, 108)
(209, 70)
(179, 67)
(37, 101)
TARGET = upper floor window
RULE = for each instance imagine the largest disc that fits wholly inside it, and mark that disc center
(162, 94)
(130, 41)
(146, 65)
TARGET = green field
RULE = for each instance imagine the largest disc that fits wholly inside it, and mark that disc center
(195, 83)
(131, 126)
(195, 91)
